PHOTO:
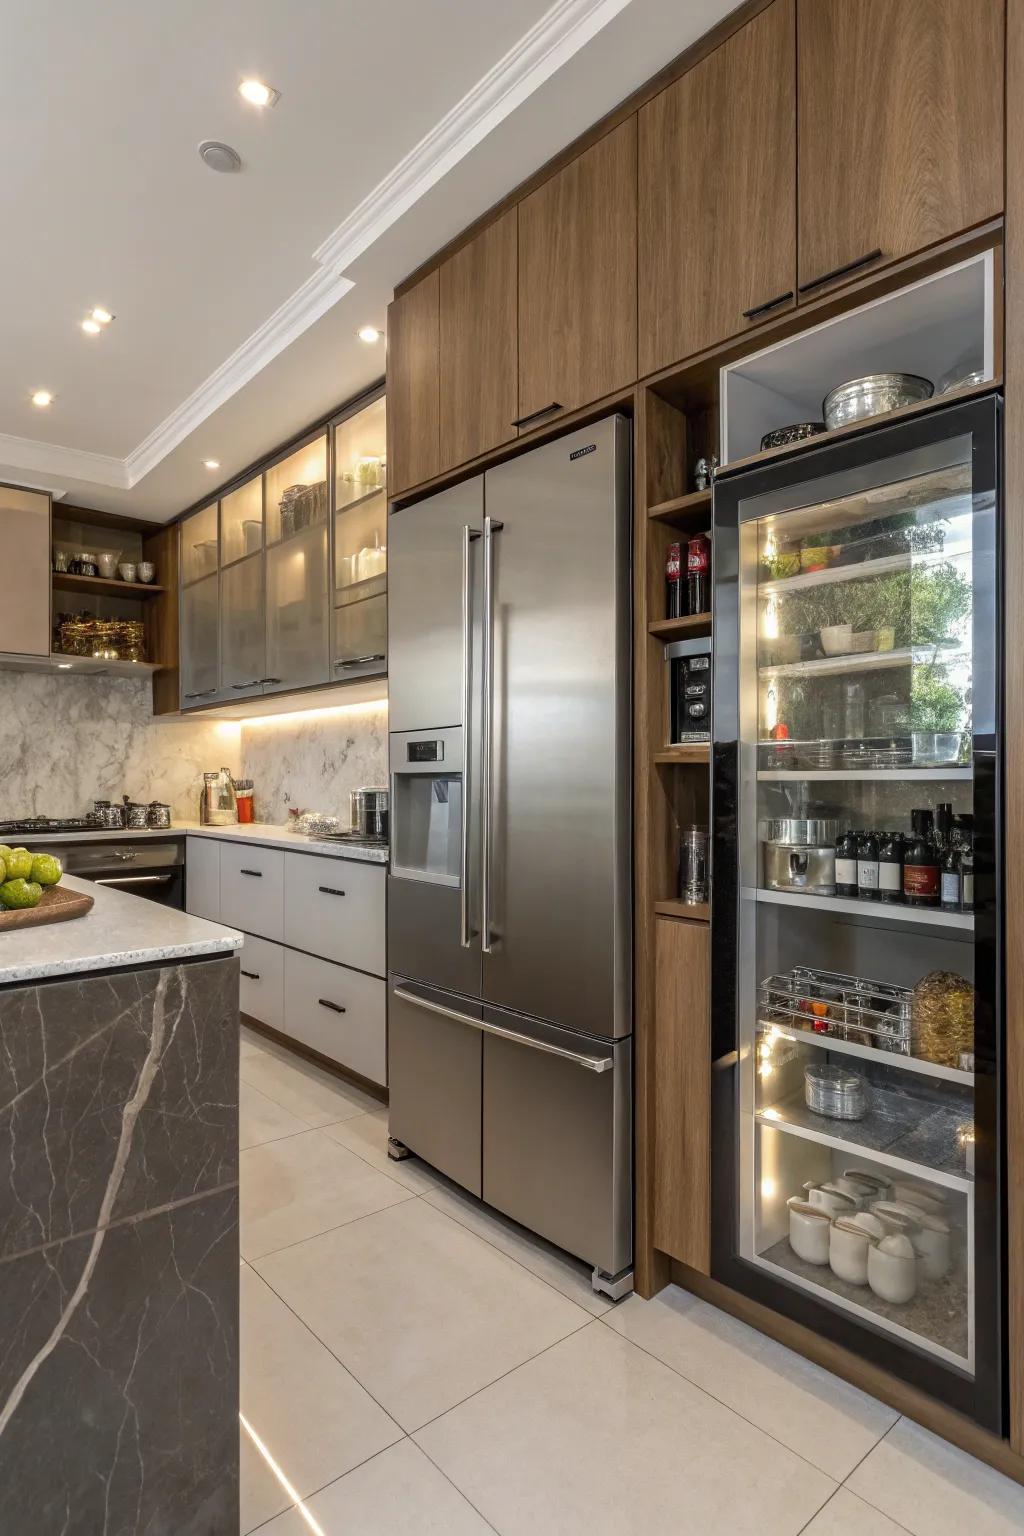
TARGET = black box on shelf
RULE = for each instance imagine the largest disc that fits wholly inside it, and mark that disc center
(690, 689)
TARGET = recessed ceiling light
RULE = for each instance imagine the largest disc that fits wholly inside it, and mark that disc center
(257, 94)
(42, 397)
(91, 327)
(102, 316)
(219, 157)
(369, 334)
(211, 463)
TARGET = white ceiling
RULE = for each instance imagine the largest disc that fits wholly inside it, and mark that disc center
(237, 297)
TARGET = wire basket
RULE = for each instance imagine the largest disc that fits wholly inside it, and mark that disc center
(869, 1013)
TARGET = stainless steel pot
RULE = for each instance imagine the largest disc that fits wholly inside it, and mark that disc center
(369, 811)
(108, 816)
(873, 395)
(135, 815)
(799, 867)
(814, 830)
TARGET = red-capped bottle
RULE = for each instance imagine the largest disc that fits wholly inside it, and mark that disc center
(698, 574)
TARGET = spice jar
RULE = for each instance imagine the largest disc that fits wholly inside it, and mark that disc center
(244, 800)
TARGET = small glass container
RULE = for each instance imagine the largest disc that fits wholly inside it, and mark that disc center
(87, 564)
(60, 560)
(834, 1091)
(693, 866)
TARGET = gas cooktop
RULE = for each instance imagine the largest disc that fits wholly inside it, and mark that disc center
(26, 826)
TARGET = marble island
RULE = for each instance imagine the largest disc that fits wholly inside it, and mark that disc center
(119, 1223)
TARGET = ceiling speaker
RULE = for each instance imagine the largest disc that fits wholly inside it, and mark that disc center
(219, 157)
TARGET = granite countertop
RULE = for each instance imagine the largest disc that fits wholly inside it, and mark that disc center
(264, 833)
(120, 930)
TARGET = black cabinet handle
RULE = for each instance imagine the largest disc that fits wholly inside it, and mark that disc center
(251, 975)
(268, 679)
(545, 410)
(330, 890)
(359, 661)
(253, 684)
(762, 309)
(203, 694)
(257, 874)
(334, 1007)
(848, 266)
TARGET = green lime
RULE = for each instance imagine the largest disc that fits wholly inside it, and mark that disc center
(46, 870)
(19, 864)
(20, 893)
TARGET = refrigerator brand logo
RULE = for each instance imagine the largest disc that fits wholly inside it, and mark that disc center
(578, 453)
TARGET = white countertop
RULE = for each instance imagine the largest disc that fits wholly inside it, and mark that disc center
(264, 833)
(120, 930)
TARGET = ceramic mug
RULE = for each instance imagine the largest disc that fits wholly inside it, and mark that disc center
(848, 1247)
(808, 1231)
(892, 1269)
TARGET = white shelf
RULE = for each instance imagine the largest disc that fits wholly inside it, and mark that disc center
(909, 774)
(70, 665)
(868, 1053)
(887, 565)
(889, 912)
(854, 1149)
(865, 661)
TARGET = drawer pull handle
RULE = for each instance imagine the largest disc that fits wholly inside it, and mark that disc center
(545, 410)
(330, 890)
(257, 874)
(848, 266)
(251, 975)
(762, 309)
(359, 661)
(254, 683)
(204, 693)
(334, 1007)
(268, 679)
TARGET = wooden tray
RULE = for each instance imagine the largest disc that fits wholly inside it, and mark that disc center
(55, 906)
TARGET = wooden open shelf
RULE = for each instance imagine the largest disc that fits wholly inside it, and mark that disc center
(693, 752)
(679, 629)
(694, 912)
(64, 581)
(689, 513)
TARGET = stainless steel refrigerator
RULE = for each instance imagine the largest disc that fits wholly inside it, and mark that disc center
(509, 893)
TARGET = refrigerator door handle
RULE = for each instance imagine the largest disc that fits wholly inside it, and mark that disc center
(465, 933)
(579, 1058)
(491, 527)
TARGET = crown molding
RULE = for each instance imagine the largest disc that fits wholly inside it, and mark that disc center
(39, 458)
(559, 34)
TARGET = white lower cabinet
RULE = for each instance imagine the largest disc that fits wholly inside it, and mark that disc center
(261, 982)
(202, 878)
(335, 908)
(252, 889)
(337, 1011)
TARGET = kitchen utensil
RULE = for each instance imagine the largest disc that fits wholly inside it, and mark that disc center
(108, 816)
(146, 571)
(369, 811)
(693, 866)
(800, 867)
(158, 815)
(135, 815)
(812, 831)
(848, 1247)
(851, 1007)
(837, 639)
(956, 379)
(791, 434)
(892, 1269)
(834, 1091)
(873, 395)
(107, 560)
(127, 570)
(809, 1229)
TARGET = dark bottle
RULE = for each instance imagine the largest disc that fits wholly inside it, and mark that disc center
(846, 863)
(890, 866)
(698, 574)
(943, 824)
(950, 877)
(674, 584)
(921, 863)
(867, 867)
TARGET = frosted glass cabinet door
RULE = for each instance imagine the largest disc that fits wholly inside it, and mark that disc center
(242, 628)
(25, 553)
(200, 670)
(297, 611)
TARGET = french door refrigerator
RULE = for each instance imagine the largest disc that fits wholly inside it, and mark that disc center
(856, 908)
(509, 892)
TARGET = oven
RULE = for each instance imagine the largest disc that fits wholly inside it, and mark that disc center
(150, 867)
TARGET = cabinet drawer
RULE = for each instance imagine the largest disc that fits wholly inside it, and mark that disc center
(335, 908)
(261, 984)
(252, 889)
(338, 1012)
(202, 878)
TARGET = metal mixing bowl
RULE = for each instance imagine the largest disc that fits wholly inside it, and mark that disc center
(873, 395)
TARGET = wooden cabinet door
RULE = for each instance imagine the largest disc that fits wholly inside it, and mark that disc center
(717, 193)
(479, 380)
(577, 281)
(900, 127)
(412, 385)
(682, 1092)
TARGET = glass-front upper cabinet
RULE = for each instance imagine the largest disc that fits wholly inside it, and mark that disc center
(296, 492)
(360, 504)
(856, 883)
(241, 522)
(199, 544)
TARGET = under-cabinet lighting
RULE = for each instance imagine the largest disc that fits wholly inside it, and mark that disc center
(258, 94)
(41, 397)
(364, 707)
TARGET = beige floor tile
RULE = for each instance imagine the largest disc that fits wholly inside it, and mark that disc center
(421, 1311)
(367, 1137)
(316, 1096)
(846, 1515)
(314, 1418)
(261, 1496)
(399, 1493)
(568, 1275)
(249, 1043)
(302, 1185)
(934, 1489)
(826, 1421)
(595, 1437)
(260, 1119)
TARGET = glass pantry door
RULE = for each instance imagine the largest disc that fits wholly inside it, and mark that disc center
(855, 814)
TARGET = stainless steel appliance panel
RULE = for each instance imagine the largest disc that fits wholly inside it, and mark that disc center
(557, 841)
(425, 607)
(434, 1080)
(557, 1138)
(149, 868)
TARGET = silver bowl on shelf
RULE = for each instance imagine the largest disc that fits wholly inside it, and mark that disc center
(873, 395)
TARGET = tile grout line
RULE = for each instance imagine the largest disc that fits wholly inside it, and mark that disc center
(335, 1227)
(306, 1497)
(453, 1484)
(863, 1497)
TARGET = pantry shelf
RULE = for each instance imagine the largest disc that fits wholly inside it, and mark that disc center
(688, 513)
(888, 912)
(908, 775)
(678, 629)
(826, 1042)
(694, 912)
(698, 752)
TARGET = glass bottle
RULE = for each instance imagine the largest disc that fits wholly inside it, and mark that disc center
(967, 865)
(853, 711)
(846, 863)
(890, 866)
(867, 867)
(674, 608)
(949, 880)
(921, 863)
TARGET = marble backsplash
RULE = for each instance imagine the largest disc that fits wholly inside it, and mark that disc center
(67, 741)
(313, 760)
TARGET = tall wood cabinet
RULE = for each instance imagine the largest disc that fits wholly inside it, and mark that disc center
(577, 281)
(717, 193)
(479, 343)
(414, 451)
(900, 135)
